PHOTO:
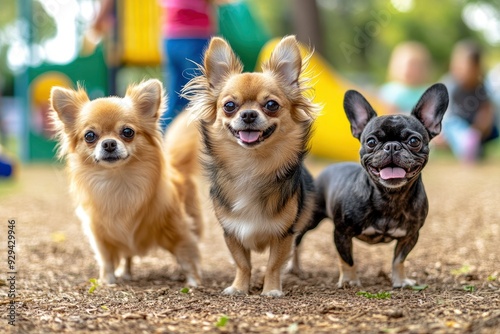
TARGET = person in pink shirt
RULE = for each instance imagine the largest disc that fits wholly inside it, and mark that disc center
(187, 28)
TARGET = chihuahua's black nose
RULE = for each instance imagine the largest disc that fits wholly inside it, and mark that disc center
(109, 145)
(392, 146)
(249, 116)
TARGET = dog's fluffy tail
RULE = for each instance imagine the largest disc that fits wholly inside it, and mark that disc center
(182, 145)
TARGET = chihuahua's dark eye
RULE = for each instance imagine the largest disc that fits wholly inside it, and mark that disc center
(371, 142)
(272, 105)
(128, 133)
(90, 136)
(229, 107)
(414, 142)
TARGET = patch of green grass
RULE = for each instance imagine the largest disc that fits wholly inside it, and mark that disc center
(470, 288)
(419, 287)
(378, 295)
(222, 321)
(492, 278)
(184, 290)
(93, 285)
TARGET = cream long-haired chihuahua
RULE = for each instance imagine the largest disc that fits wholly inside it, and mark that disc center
(255, 128)
(134, 190)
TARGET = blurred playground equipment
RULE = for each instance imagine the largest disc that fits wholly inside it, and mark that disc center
(235, 22)
(139, 33)
(136, 42)
(89, 71)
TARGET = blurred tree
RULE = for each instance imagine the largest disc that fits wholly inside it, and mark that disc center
(274, 15)
(306, 23)
(12, 31)
(44, 26)
(7, 16)
(8, 12)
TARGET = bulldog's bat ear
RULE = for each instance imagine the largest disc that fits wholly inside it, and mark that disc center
(431, 107)
(358, 111)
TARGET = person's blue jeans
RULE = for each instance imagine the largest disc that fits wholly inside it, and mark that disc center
(181, 55)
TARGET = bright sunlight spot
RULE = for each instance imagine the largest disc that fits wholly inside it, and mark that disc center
(402, 5)
(485, 18)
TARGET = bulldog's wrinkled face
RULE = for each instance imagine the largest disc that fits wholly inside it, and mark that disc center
(394, 149)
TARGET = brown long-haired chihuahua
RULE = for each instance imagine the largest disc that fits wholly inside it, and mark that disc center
(255, 128)
(133, 190)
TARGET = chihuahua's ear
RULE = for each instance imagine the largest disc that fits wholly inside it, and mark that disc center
(358, 111)
(220, 62)
(431, 107)
(286, 61)
(147, 97)
(67, 103)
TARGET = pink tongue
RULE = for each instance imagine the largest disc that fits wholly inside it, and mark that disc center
(392, 173)
(249, 136)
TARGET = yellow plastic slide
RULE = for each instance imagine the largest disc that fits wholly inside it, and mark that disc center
(332, 136)
(140, 34)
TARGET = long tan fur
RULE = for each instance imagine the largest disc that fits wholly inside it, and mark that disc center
(261, 192)
(139, 199)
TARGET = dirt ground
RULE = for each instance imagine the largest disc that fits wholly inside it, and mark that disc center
(457, 258)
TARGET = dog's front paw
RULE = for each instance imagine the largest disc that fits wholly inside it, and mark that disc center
(348, 277)
(108, 279)
(272, 293)
(192, 281)
(123, 274)
(403, 283)
(232, 291)
(348, 283)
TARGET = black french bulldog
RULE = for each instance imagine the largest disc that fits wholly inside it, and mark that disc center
(383, 198)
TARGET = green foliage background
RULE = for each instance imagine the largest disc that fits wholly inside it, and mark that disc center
(43, 28)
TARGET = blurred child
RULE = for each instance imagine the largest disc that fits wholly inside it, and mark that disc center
(187, 28)
(470, 119)
(493, 88)
(408, 76)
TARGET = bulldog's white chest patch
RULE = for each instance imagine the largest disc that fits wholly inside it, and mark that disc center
(374, 235)
(396, 232)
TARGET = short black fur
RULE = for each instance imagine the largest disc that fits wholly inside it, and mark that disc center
(383, 198)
